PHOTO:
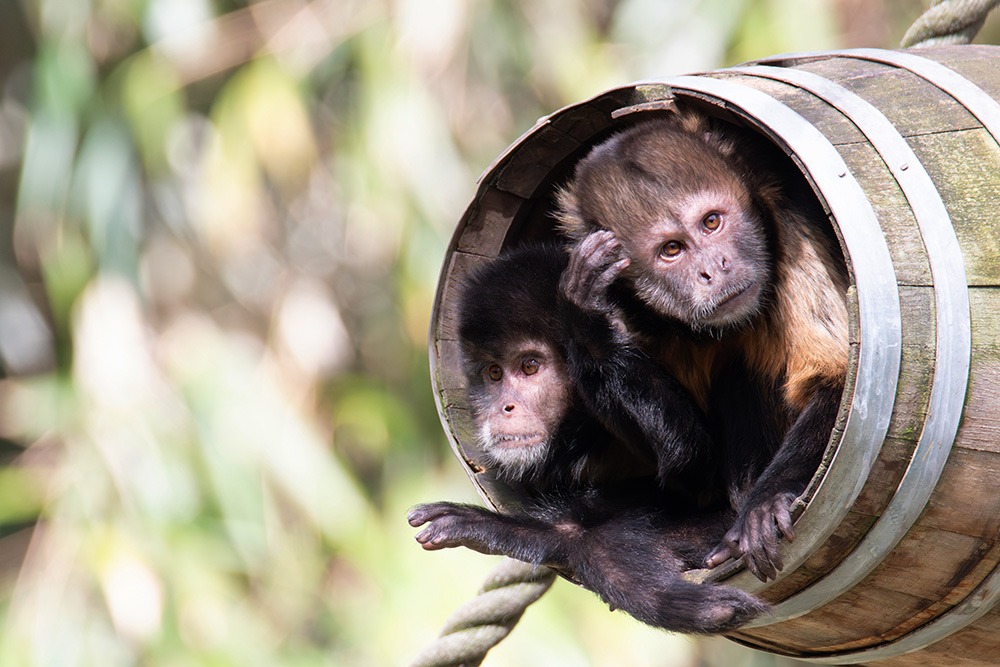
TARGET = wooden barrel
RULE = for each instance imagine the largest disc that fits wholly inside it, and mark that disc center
(897, 554)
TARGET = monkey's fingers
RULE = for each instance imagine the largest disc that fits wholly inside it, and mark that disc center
(729, 548)
(576, 282)
(452, 529)
(759, 564)
(600, 250)
(607, 251)
(595, 239)
(783, 516)
(431, 539)
(718, 557)
(609, 275)
(763, 556)
(749, 542)
(767, 558)
(593, 265)
(421, 514)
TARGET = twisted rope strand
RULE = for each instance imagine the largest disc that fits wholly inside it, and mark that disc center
(481, 623)
(948, 22)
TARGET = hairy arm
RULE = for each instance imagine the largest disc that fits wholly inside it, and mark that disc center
(765, 513)
(633, 397)
(631, 558)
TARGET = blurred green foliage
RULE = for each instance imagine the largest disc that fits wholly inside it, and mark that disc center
(221, 224)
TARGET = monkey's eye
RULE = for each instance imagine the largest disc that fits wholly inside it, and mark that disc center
(530, 366)
(671, 249)
(494, 372)
(712, 221)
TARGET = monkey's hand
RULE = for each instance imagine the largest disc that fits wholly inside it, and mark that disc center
(521, 537)
(594, 263)
(452, 525)
(756, 534)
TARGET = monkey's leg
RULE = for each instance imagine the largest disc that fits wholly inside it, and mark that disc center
(634, 560)
(678, 605)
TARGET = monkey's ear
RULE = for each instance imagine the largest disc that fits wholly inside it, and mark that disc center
(569, 218)
(708, 130)
(693, 122)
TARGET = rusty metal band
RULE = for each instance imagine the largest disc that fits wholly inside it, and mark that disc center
(953, 353)
(879, 324)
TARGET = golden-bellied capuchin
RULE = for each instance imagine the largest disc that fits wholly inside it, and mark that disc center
(729, 280)
(626, 538)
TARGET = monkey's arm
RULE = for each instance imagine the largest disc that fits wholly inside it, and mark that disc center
(629, 560)
(633, 397)
(521, 537)
(765, 514)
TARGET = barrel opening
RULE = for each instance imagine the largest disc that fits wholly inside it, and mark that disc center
(515, 206)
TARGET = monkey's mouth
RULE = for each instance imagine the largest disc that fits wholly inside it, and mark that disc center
(517, 440)
(733, 303)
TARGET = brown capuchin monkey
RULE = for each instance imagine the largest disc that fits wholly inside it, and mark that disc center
(727, 277)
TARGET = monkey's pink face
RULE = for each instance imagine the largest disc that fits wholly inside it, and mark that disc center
(704, 261)
(519, 404)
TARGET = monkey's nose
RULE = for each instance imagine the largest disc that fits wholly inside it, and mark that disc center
(508, 408)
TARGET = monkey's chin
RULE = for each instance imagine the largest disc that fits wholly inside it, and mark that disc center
(515, 456)
(734, 309)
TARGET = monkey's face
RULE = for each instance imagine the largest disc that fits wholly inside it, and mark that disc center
(703, 259)
(518, 400)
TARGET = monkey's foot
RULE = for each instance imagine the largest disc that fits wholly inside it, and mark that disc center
(756, 535)
(682, 606)
(728, 608)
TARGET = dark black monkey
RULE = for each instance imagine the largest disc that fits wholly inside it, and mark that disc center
(627, 539)
(754, 289)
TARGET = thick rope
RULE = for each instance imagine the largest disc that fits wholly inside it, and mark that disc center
(481, 623)
(948, 22)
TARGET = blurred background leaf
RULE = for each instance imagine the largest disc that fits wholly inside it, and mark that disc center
(221, 225)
